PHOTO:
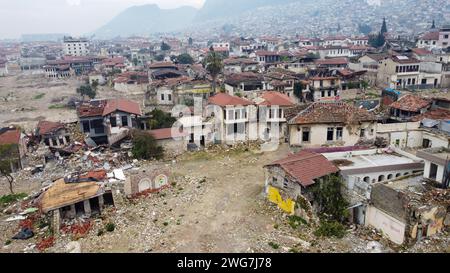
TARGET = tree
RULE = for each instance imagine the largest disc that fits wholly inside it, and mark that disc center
(377, 40)
(185, 59)
(298, 91)
(145, 146)
(95, 85)
(190, 41)
(165, 47)
(384, 28)
(214, 66)
(8, 154)
(364, 29)
(86, 90)
(159, 58)
(328, 196)
(160, 119)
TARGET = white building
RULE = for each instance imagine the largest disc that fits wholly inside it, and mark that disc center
(76, 46)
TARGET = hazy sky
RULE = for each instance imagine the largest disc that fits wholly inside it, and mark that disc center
(75, 17)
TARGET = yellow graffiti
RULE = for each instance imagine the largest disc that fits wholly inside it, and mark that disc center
(275, 197)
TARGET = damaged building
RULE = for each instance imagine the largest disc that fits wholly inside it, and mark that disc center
(79, 196)
(288, 180)
(108, 121)
(408, 210)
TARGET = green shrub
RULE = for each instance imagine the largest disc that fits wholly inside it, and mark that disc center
(296, 221)
(8, 242)
(274, 245)
(145, 146)
(110, 227)
(330, 229)
(100, 232)
(39, 96)
(10, 198)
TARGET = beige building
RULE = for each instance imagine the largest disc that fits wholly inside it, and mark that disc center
(398, 72)
(331, 124)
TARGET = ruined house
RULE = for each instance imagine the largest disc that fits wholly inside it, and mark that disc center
(408, 210)
(81, 196)
(288, 180)
(331, 124)
(13, 145)
(108, 121)
(53, 134)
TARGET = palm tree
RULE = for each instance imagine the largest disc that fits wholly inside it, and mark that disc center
(214, 66)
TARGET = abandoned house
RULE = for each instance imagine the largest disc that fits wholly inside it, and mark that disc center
(14, 147)
(234, 119)
(53, 134)
(108, 121)
(331, 124)
(408, 107)
(289, 178)
(408, 210)
(271, 112)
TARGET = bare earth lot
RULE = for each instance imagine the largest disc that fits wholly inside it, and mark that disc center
(26, 99)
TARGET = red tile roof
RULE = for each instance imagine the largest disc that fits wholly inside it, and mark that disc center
(438, 114)
(162, 65)
(421, 51)
(411, 103)
(266, 53)
(122, 105)
(222, 99)
(434, 36)
(46, 127)
(276, 98)
(332, 112)
(167, 133)
(9, 136)
(106, 107)
(305, 167)
(332, 61)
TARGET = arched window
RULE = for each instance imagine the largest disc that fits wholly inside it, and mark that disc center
(405, 174)
(390, 177)
(398, 175)
(366, 179)
(380, 178)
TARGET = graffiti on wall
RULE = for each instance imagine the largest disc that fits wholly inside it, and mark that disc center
(275, 197)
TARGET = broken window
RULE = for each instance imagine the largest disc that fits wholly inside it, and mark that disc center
(362, 133)
(306, 134)
(125, 121)
(54, 142)
(339, 133)
(86, 127)
(330, 134)
(67, 139)
(285, 183)
(113, 121)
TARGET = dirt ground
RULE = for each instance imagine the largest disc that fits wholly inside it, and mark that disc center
(215, 204)
(25, 99)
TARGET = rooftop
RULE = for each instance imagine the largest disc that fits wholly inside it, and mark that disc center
(411, 103)
(222, 99)
(332, 112)
(306, 166)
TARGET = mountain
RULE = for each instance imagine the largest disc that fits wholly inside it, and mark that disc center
(146, 19)
(218, 9)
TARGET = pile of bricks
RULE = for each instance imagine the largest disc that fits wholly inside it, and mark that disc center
(78, 229)
(45, 243)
